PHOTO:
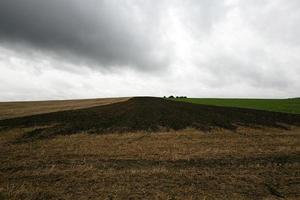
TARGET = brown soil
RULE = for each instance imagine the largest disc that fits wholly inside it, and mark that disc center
(147, 114)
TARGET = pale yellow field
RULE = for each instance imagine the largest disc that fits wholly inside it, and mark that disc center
(19, 109)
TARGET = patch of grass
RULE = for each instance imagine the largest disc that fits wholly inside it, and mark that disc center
(3, 196)
(276, 105)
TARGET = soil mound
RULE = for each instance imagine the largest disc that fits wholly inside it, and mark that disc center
(147, 114)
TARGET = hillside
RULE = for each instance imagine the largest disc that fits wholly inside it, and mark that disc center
(143, 148)
(276, 105)
(147, 114)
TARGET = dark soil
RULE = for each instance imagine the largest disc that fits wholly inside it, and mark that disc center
(148, 114)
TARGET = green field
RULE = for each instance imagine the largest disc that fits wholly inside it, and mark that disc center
(277, 105)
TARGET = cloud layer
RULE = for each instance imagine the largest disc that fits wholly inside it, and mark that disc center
(207, 48)
(102, 33)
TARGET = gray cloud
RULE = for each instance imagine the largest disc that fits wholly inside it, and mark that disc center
(254, 43)
(211, 48)
(277, 21)
(108, 33)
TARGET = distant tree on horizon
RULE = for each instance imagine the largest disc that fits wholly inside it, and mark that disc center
(177, 97)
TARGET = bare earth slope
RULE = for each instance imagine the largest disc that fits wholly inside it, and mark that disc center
(20, 109)
(148, 114)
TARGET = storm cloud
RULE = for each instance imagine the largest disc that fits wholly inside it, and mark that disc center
(202, 48)
(108, 33)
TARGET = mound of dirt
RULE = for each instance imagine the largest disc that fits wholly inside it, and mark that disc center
(147, 114)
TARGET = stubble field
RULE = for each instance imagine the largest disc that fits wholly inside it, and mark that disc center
(244, 162)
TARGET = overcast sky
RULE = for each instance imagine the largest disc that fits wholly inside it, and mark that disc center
(65, 49)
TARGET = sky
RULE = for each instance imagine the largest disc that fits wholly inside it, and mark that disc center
(70, 49)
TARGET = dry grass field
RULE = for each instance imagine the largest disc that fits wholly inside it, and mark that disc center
(188, 164)
(20, 109)
(145, 148)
